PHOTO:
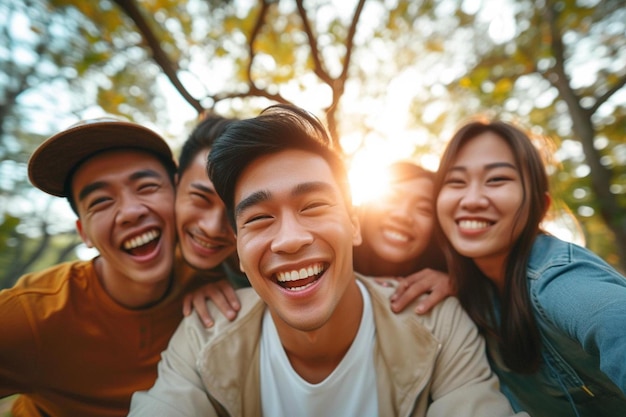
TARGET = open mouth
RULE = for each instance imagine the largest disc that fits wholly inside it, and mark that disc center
(142, 244)
(298, 280)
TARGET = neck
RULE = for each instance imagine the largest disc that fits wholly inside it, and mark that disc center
(127, 292)
(315, 354)
(494, 269)
(233, 262)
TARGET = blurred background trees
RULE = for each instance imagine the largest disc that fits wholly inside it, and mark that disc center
(392, 79)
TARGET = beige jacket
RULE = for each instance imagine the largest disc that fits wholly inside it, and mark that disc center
(431, 365)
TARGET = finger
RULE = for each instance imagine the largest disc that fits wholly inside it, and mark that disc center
(426, 304)
(407, 291)
(199, 304)
(187, 305)
(390, 282)
(231, 297)
(223, 304)
(406, 297)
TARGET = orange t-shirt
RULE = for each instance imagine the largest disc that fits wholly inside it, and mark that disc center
(71, 350)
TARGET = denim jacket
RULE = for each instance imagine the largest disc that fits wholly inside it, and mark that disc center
(579, 302)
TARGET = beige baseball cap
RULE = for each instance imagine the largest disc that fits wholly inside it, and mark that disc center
(55, 160)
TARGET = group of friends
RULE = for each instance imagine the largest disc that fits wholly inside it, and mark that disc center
(241, 281)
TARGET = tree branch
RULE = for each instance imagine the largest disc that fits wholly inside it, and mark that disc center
(158, 54)
(604, 97)
(319, 69)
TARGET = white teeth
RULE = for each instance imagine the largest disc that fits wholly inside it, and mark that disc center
(141, 240)
(301, 274)
(392, 234)
(204, 244)
(473, 224)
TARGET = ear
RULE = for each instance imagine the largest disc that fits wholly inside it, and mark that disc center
(356, 228)
(83, 235)
(548, 199)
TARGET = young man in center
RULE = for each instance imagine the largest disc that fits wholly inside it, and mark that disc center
(312, 337)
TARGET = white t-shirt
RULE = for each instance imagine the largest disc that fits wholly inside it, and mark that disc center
(350, 390)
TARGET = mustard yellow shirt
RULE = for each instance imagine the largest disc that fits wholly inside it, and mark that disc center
(71, 350)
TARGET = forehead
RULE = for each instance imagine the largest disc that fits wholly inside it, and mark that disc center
(484, 148)
(282, 171)
(119, 163)
(415, 187)
(197, 168)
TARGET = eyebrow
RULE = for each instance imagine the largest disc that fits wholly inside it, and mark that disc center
(253, 199)
(201, 187)
(98, 185)
(487, 167)
(298, 190)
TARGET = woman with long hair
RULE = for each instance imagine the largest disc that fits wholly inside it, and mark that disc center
(553, 313)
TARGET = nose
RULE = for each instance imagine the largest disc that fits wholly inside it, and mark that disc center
(214, 222)
(474, 198)
(131, 209)
(291, 235)
(402, 212)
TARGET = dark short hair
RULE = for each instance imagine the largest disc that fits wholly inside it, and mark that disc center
(277, 128)
(202, 137)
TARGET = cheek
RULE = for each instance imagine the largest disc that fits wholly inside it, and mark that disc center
(510, 201)
(442, 206)
(247, 248)
(180, 212)
(93, 232)
(166, 211)
(426, 225)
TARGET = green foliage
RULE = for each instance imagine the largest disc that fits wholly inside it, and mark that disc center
(445, 55)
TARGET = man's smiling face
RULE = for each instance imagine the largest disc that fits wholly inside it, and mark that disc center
(295, 233)
(205, 237)
(125, 202)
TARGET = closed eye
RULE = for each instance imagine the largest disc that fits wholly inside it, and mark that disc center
(315, 205)
(499, 179)
(149, 187)
(424, 209)
(257, 219)
(454, 181)
(199, 196)
(98, 202)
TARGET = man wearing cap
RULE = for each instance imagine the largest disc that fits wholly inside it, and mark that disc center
(80, 337)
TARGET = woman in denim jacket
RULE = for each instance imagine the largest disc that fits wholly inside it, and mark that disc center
(554, 313)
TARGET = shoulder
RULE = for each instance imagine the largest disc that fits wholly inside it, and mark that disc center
(549, 252)
(556, 267)
(251, 313)
(42, 297)
(446, 319)
(49, 281)
(443, 319)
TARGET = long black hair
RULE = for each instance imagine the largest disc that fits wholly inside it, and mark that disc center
(517, 332)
